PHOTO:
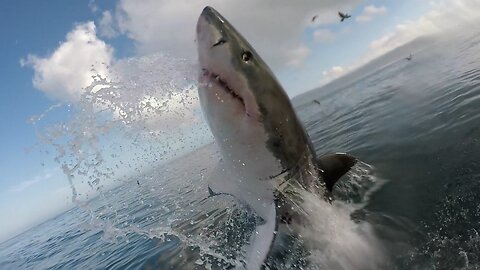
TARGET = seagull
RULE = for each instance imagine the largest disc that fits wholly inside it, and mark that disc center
(409, 57)
(343, 16)
(314, 17)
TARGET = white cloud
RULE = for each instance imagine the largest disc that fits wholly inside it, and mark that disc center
(323, 36)
(69, 69)
(154, 25)
(93, 6)
(154, 91)
(334, 70)
(24, 185)
(106, 25)
(332, 73)
(150, 89)
(369, 12)
(28, 183)
(458, 15)
(297, 56)
(445, 16)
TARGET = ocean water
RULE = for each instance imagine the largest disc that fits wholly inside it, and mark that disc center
(412, 203)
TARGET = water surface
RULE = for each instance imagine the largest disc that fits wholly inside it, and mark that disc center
(415, 122)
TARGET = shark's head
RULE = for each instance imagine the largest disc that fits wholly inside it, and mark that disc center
(245, 106)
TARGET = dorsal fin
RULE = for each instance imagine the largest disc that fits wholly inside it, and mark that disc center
(334, 166)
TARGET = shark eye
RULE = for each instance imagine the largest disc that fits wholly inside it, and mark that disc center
(246, 56)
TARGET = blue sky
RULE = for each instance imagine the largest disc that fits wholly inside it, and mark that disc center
(35, 75)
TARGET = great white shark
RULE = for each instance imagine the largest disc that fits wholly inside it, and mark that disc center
(268, 160)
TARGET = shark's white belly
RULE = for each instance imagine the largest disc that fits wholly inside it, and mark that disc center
(249, 178)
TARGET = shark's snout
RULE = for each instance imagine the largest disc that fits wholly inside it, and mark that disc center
(208, 16)
(209, 12)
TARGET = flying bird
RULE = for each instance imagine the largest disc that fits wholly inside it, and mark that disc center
(314, 17)
(409, 57)
(343, 16)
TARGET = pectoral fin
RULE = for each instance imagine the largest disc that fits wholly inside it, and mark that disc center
(220, 182)
(334, 166)
(212, 193)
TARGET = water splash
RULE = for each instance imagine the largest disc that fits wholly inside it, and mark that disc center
(116, 141)
(145, 114)
(338, 242)
(122, 128)
(333, 238)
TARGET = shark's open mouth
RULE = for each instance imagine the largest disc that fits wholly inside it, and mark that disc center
(215, 78)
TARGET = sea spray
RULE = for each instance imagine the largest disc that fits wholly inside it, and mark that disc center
(118, 138)
(145, 114)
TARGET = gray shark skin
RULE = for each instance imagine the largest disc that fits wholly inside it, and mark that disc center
(268, 158)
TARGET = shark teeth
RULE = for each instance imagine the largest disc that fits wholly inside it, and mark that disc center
(223, 84)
